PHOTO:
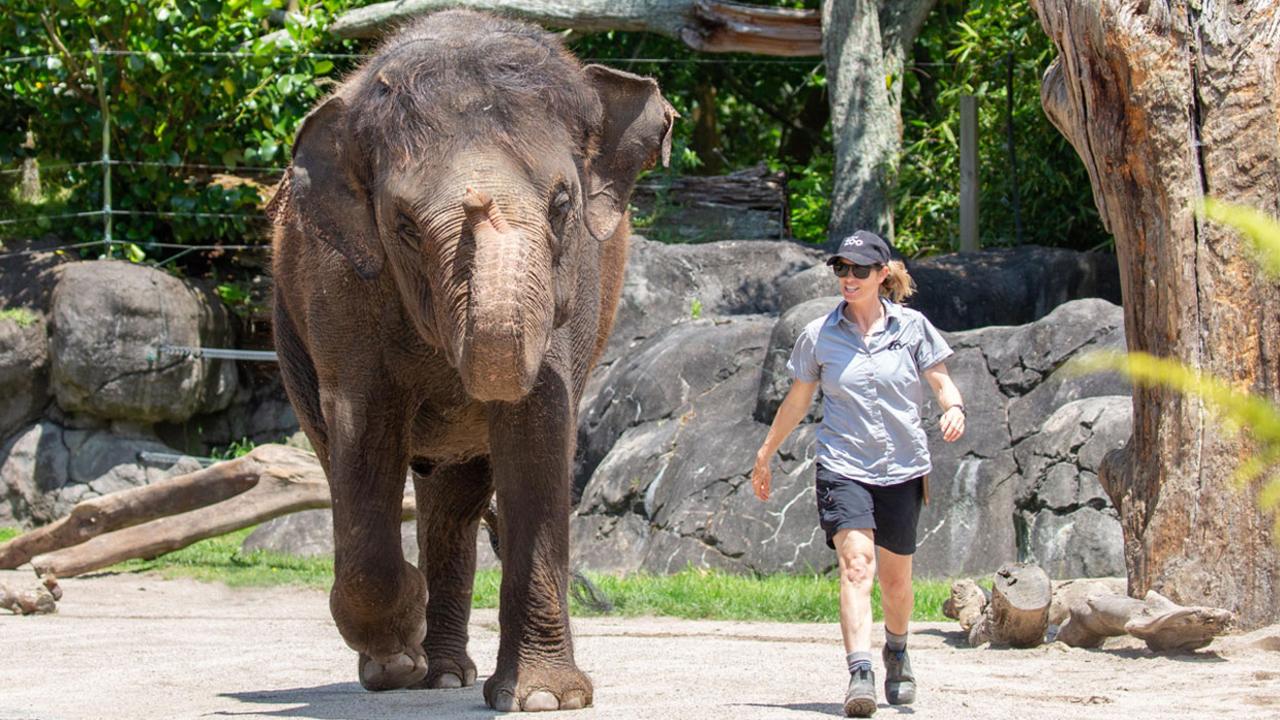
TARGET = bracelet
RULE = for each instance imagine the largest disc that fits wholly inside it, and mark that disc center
(961, 406)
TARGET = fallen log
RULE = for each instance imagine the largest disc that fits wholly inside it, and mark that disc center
(41, 600)
(704, 25)
(1162, 623)
(270, 481)
(967, 603)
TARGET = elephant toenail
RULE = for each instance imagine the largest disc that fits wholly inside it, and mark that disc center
(504, 701)
(539, 700)
(447, 680)
(469, 677)
(573, 701)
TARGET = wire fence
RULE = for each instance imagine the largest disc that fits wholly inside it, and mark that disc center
(108, 211)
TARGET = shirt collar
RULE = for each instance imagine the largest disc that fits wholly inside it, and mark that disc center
(892, 311)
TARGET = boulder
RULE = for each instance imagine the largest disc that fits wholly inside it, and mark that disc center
(667, 284)
(666, 449)
(24, 371)
(775, 380)
(46, 468)
(666, 466)
(996, 286)
(1065, 522)
(310, 534)
(109, 320)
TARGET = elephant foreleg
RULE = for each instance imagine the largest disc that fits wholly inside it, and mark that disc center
(450, 502)
(378, 600)
(531, 445)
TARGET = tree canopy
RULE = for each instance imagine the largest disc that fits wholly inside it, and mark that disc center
(202, 113)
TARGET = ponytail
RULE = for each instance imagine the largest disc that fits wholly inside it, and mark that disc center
(898, 285)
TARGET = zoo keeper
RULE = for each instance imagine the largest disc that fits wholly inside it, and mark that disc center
(871, 356)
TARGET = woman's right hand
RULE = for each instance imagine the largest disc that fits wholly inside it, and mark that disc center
(761, 477)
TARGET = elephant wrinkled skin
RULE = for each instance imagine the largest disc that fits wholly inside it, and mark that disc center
(449, 250)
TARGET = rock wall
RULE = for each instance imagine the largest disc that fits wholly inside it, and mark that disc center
(667, 443)
(669, 424)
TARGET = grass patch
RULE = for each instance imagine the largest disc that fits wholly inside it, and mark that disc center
(691, 593)
(221, 559)
(22, 316)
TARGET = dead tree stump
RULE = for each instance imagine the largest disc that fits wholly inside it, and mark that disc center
(1019, 611)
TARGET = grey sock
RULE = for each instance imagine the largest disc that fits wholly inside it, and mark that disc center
(896, 642)
(858, 661)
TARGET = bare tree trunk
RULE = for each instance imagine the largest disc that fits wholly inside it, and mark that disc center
(865, 43)
(1166, 103)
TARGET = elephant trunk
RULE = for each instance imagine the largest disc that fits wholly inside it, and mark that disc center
(509, 307)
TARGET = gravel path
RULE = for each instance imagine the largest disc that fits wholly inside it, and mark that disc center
(139, 647)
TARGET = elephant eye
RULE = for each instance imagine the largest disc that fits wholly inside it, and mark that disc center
(561, 208)
(407, 229)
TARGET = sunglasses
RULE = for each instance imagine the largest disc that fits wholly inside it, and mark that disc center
(862, 272)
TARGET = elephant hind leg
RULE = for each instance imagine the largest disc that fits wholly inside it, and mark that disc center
(450, 501)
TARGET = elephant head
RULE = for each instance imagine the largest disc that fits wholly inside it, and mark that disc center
(484, 181)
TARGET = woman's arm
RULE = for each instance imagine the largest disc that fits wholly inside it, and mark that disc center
(793, 409)
(952, 422)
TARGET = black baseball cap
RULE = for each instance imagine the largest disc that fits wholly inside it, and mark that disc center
(862, 248)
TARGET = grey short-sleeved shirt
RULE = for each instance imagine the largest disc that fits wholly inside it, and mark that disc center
(871, 392)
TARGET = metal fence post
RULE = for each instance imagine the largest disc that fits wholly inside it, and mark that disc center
(105, 110)
(968, 173)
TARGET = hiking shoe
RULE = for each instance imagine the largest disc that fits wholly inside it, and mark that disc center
(860, 698)
(899, 683)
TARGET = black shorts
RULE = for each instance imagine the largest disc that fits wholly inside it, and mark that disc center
(891, 511)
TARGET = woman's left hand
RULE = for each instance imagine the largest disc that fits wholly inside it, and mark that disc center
(952, 424)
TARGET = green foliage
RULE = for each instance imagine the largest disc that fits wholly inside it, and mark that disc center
(220, 559)
(168, 107)
(8, 533)
(239, 448)
(22, 316)
(1238, 409)
(695, 308)
(972, 43)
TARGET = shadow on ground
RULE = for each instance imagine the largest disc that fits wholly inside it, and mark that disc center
(344, 701)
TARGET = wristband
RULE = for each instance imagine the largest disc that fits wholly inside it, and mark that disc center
(961, 406)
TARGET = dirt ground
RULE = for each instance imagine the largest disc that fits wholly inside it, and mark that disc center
(136, 646)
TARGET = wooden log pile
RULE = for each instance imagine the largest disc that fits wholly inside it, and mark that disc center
(149, 521)
(1024, 609)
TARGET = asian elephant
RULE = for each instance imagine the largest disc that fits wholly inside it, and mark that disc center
(450, 240)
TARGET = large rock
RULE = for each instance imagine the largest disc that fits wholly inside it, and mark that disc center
(310, 534)
(666, 450)
(24, 372)
(998, 286)
(1065, 521)
(666, 284)
(673, 487)
(109, 319)
(775, 380)
(47, 468)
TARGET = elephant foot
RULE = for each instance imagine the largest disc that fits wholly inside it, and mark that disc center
(391, 673)
(536, 689)
(448, 672)
(386, 630)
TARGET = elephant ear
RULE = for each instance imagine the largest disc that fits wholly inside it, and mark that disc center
(324, 193)
(636, 131)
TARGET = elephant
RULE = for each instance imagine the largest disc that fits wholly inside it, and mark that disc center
(449, 242)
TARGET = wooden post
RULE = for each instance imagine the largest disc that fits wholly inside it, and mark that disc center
(968, 173)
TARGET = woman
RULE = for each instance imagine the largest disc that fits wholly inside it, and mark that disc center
(871, 357)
